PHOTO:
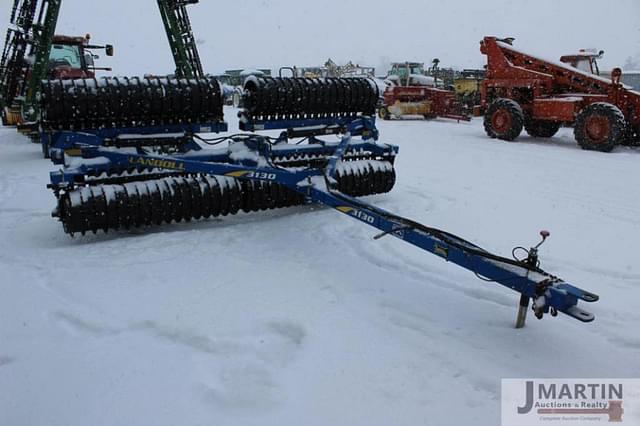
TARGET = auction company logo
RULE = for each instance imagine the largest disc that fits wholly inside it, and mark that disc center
(570, 401)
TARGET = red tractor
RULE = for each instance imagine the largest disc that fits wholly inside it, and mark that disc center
(523, 91)
(70, 57)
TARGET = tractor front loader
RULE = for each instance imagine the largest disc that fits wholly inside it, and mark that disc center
(523, 91)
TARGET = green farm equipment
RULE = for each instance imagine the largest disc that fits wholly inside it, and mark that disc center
(32, 53)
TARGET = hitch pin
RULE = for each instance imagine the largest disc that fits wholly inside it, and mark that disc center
(523, 306)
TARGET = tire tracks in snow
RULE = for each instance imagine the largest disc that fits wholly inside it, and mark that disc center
(395, 261)
(229, 372)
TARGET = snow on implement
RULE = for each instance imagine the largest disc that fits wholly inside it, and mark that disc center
(132, 177)
(106, 111)
(163, 116)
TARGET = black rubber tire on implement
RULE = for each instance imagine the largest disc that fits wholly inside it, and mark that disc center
(600, 127)
(504, 119)
(383, 113)
(541, 128)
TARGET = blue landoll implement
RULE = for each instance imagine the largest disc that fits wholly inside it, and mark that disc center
(152, 178)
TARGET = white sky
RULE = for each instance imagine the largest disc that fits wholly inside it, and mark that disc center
(274, 33)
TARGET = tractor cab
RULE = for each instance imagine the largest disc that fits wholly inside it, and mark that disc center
(404, 69)
(585, 60)
(409, 74)
(71, 57)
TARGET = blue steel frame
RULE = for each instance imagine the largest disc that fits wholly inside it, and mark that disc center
(356, 125)
(73, 142)
(203, 160)
(59, 142)
(548, 292)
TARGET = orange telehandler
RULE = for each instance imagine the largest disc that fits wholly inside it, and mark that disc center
(523, 91)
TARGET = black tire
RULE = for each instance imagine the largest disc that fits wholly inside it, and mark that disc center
(541, 128)
(383, 113)
(600, 127)
(504, 119)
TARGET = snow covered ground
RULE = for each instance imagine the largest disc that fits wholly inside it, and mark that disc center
(297, 316)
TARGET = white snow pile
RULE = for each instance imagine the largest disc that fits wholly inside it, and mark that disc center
(298, 317)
